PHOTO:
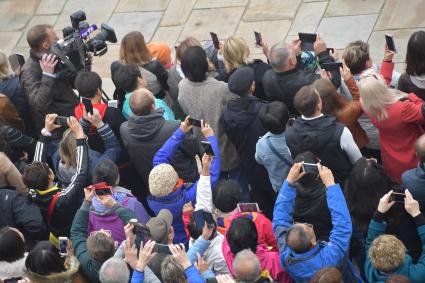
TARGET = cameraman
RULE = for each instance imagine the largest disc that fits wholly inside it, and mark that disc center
(46, 92)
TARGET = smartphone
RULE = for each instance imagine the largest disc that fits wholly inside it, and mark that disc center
(310, 168)
(113, 103)
(329, 49)
(87, 105)
(141, 230)
(63, 245)
(333, 66)
(103, 191)
(248, 207)
(208, 148)
(62, 121)
(195, 122)
(16, 61)
(390, 42)
(161, 248)
(307, 40)
(258, 38)
(215, 40)
(398, 197)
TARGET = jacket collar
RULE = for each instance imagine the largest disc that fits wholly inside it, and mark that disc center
(45, 192)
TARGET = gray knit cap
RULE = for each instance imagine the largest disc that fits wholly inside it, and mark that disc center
(162, 180)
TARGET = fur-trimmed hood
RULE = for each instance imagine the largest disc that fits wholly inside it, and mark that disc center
(13, 269)
(67, 276)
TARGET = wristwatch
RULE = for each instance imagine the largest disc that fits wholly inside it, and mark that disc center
(46, 133)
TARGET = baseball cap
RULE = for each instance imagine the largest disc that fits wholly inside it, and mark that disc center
(159, 226)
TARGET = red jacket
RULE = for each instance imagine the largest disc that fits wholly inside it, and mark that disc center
(398, 134)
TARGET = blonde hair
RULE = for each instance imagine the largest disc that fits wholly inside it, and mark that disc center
(387, 253)
(235, 53)
(5, 69)
(133, 49)
(376, 96)
(68, 149)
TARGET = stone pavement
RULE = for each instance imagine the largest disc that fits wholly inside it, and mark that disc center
(338, 21)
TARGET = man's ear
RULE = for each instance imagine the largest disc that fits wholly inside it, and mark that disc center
(171, 233)
(51, 175)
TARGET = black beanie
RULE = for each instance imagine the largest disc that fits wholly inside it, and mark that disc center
(241, 80)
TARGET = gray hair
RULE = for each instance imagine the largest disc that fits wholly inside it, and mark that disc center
(114, 270)
(279, 55)
(250, 265)
(172, 271)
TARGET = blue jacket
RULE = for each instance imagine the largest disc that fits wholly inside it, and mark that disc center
(324, 254)
(112, 152)
(186, 193)
(414, 180)
(276, 167)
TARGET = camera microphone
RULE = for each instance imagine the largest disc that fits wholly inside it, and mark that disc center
(84, 33)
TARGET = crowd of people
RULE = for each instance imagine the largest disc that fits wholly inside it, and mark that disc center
(210, 167)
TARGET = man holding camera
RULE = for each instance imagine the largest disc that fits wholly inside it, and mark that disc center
(46, 92)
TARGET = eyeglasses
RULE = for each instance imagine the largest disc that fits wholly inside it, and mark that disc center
(370, 75)
(307, 224)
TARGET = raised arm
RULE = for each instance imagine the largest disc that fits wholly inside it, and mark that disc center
(339, 238)
(40, 154)
(387, 66)
(72, 195)
(283, 209)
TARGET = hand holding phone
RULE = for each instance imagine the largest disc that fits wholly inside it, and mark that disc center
(248, 207)
(390, 42)
(397, 197)
(195, 122)
(63, 246)
(310, 168)
(87, 105)
(208, 148)
(332, 66)
(307, 41)
(61, 121)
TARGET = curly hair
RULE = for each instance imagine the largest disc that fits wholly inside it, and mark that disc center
(387, 253)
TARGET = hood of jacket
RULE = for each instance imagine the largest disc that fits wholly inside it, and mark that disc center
(315, 133)
(13, 269)
(418, 81)
(145, 127)
(66, 276)
(242, 111)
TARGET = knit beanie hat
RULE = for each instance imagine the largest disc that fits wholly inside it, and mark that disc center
(241, 80)
(162, 52)
(162, 180)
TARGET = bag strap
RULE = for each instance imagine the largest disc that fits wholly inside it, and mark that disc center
(277, 153)
(52, 207)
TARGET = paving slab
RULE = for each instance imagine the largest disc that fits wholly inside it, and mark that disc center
(102, 64)
(50, 7)
(350, 7)
(202, 22)
(339, 31)
(141, 5)
(177, 12)
(168, 35)
(202, 4)
(398, 14)
(271, 32)
(265, 10)
(37, 20)
(8, 40)
(401, 37)
(97, 12)
(108, 86)
(14, 15)
(145, 22)
(308, 17)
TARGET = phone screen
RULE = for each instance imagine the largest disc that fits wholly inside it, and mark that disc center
(61, 120)
(398, 197)
(207, 148)
(307, 41)
(161, 248)
(248, 207)
(334, 66)
(310, 168)
(390, 42)
(87, 105)
(16, 61)
(103, 191)
(258, 38)
(194, 122)
(215, 40)
(63, 245)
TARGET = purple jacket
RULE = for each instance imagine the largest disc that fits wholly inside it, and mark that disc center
(102, 218)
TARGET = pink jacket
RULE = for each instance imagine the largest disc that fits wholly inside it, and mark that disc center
(269, 260)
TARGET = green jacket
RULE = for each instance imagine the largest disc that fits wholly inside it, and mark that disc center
(415, 272)
(89, 266)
